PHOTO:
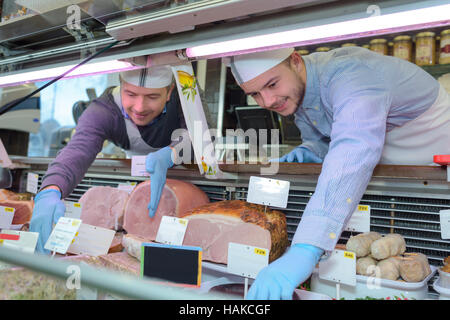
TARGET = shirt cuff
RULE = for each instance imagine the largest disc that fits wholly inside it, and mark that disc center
(318, 231)
(58, 181)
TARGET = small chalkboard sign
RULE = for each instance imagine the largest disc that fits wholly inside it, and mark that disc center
(178, 264)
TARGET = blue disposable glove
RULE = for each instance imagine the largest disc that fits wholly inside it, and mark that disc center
(300, 154)
(48, 208)
(157, 163)
(280, 278)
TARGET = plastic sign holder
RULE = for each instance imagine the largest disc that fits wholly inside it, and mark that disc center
(443, 160)
(171, 230)
(268, 192)
(360, 220)
(62, 235)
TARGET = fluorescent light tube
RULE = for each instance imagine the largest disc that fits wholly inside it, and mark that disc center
(383, 24)
(51, 73)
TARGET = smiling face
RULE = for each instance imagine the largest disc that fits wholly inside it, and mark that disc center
(144, 104)
(281, 88)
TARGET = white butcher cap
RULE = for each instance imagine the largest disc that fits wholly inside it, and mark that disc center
(153, 77)
(246, 67)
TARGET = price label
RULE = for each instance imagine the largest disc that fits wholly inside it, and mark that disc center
(128, 187)
(62, 235)
(20, 240)
(360, 220)
(138, 166)
(444, 217)
(32, 182)
(340, 267)
(6, 217)
(268, 192)
(245, 260)
(73, 209)
(92, 240)
(172, 230)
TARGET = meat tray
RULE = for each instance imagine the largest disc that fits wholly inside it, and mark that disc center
(374, 288)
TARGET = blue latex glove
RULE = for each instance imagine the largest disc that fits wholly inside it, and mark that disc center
(280, 278)
(157, 164)
(300, 154)
(48, 208)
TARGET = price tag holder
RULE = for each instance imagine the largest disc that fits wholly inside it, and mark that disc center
(92, 240)
(138, 166)
(73, 209)
(62, 235)
(444, 217)
(268, 192)
(246, 261)
(171, 230)
(24, 241)
(32, 182)
(6, 217)
(340, 267)
(128, 187)
(360, 220)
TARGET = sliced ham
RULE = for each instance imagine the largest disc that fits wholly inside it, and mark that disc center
(215, 225)
(103, 207)
(23, 210)
(6, 194)
(177, 197)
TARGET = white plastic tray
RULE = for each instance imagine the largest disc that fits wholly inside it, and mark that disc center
(374, 287)
(444, 293)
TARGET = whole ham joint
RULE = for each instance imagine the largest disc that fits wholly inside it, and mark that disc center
(213, 226)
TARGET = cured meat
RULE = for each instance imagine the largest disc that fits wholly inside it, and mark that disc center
(103, 207)
(23, 210)
(177, 197)
(133, 244)
(214, 225)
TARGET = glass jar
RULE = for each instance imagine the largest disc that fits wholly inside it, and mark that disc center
(444, 53)
(403, 47)
(366, 46)
(425, 49)
(323, 49)
(379, 45)
(349, 44)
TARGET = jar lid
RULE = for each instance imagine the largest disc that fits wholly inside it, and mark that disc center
(303, 52)
(375, 41)
(349, 44)
(425, 34)
(323, 49)
(402, 38)
(446, 31)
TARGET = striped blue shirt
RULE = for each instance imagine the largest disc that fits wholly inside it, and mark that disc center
(352, 97)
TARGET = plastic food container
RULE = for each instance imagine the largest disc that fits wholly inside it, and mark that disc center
(425, 49)
(444, 293)
(445, 278)
(374, 288)
(444, 52)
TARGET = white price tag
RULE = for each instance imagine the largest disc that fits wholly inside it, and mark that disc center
(268, 192)
(92, 240)
(73, 209)
(360, 220)
(171, 230)
(444, 216)
(138, 166)
(128, 187)
(32, 182)
(6, 217)
(62, 235)
(246, 260)
(340, 267)
(25, 241)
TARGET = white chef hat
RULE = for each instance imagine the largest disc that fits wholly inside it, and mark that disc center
(153, 77)
(245, 67)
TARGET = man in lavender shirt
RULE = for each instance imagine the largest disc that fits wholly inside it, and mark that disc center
(355, 108)
(138, 116)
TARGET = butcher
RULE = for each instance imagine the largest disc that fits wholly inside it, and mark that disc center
(139, 116)
(355, 109)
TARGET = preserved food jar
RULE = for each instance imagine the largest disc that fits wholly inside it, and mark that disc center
(349, 44)
(303, 52)
(444, 53)
(323, 49)
(425, 49)
(379, 45)
(403, 47)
